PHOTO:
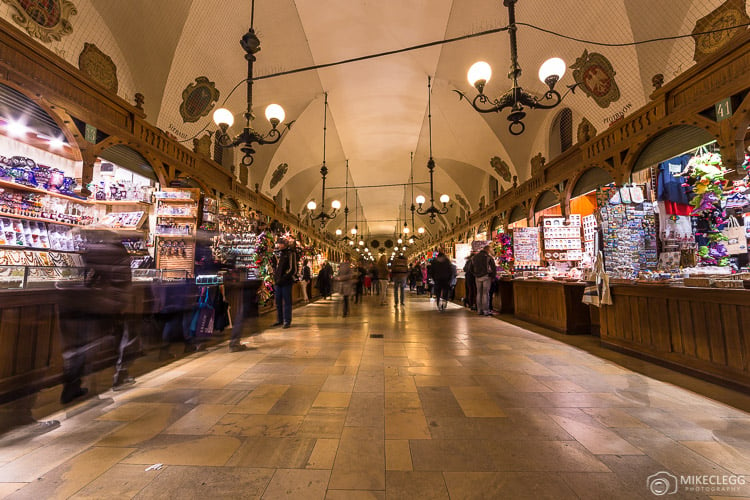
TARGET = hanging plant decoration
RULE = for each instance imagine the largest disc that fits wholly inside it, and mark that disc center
(707, 177)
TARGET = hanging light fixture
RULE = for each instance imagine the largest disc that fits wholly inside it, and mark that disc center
(324, 216)
(420, 230)
(432, 210)
(274, 113)
(345, 238)
(551, 71)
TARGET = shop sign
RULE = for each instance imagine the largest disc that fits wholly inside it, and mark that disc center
(90, 134)
(723, 109)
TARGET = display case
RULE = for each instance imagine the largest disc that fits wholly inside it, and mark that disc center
(40, 277)
(175, 230)
(526, 249)
(562, 239)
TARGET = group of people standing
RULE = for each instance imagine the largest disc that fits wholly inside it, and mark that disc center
(481, 270)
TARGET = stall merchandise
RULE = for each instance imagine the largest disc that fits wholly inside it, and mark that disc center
(628, 234)
(526, 247)
(504, 251)
(562, 239)
(176, 222)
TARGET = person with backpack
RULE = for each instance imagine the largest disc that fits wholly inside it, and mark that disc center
(441, 272)
(283, 278)
(484, 270)
(399, 271)
(470, 284)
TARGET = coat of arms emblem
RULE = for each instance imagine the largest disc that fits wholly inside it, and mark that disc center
(596, 76)
(198, 99)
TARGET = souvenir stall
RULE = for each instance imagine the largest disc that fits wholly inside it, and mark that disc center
(502, 300)
(685, 305)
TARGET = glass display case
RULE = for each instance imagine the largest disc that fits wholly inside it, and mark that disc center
(40, 277)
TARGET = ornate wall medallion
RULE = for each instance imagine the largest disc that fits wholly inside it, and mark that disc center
(98, 66)
(596, 77)
(502, 168)
(46, 20)
(730, 13)
(278, 174)
(198, 99)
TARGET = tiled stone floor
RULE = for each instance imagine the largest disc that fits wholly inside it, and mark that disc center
(446, 405)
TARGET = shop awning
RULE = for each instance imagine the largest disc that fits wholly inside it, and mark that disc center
(590, 180)
(671, 143)
(129, 159)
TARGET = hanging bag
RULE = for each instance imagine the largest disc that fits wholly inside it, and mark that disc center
(202, 324)
(736, 243)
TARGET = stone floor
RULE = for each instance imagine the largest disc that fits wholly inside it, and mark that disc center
(444, 405)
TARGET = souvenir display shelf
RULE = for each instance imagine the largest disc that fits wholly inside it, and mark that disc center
(562, 239)
(39, 277)
(209, 214)
(176, 223)
(526, 247)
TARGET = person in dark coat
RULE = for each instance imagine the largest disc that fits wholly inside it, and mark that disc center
(325, 280)
(441, 272)
(470, 299)
(283, 279)
(305, 281)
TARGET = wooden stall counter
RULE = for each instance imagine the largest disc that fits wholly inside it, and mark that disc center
(700, 330)
(553, 304)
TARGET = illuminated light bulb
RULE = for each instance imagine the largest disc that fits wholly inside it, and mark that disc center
(553, 68)
(421, 199)
(479, 74)
(420, 230)
(223, 118)
(16, 129)
(338, 232)
(311, 205)
(444, 199)
(335, 204)
(275, 114)
(56, 143)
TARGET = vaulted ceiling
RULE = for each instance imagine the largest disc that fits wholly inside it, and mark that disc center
(378, 107)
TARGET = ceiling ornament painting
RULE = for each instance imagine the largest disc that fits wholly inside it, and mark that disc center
(502, 168)
(730, 13)
(278, 174)
(596, 76)
(46, 20)
(98, 66)
(198, 99)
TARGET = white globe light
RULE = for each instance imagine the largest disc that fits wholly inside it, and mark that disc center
(411, 241)
(311, 205)
(421, 199)
(479, 71)
(420, 230)
(361, 243)
(351, 243)
(406, 229)
(354, 230)
(552, 67)
(223, 116)
(338, 232)
(335, 204)
(444, 198)
(275, 114)
(399, 241)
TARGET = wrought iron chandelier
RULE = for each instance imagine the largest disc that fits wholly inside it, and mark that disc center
(551, 71)
(432, 210)
(420, 230)
(345, 238)
(324, 216)
(274, 113)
